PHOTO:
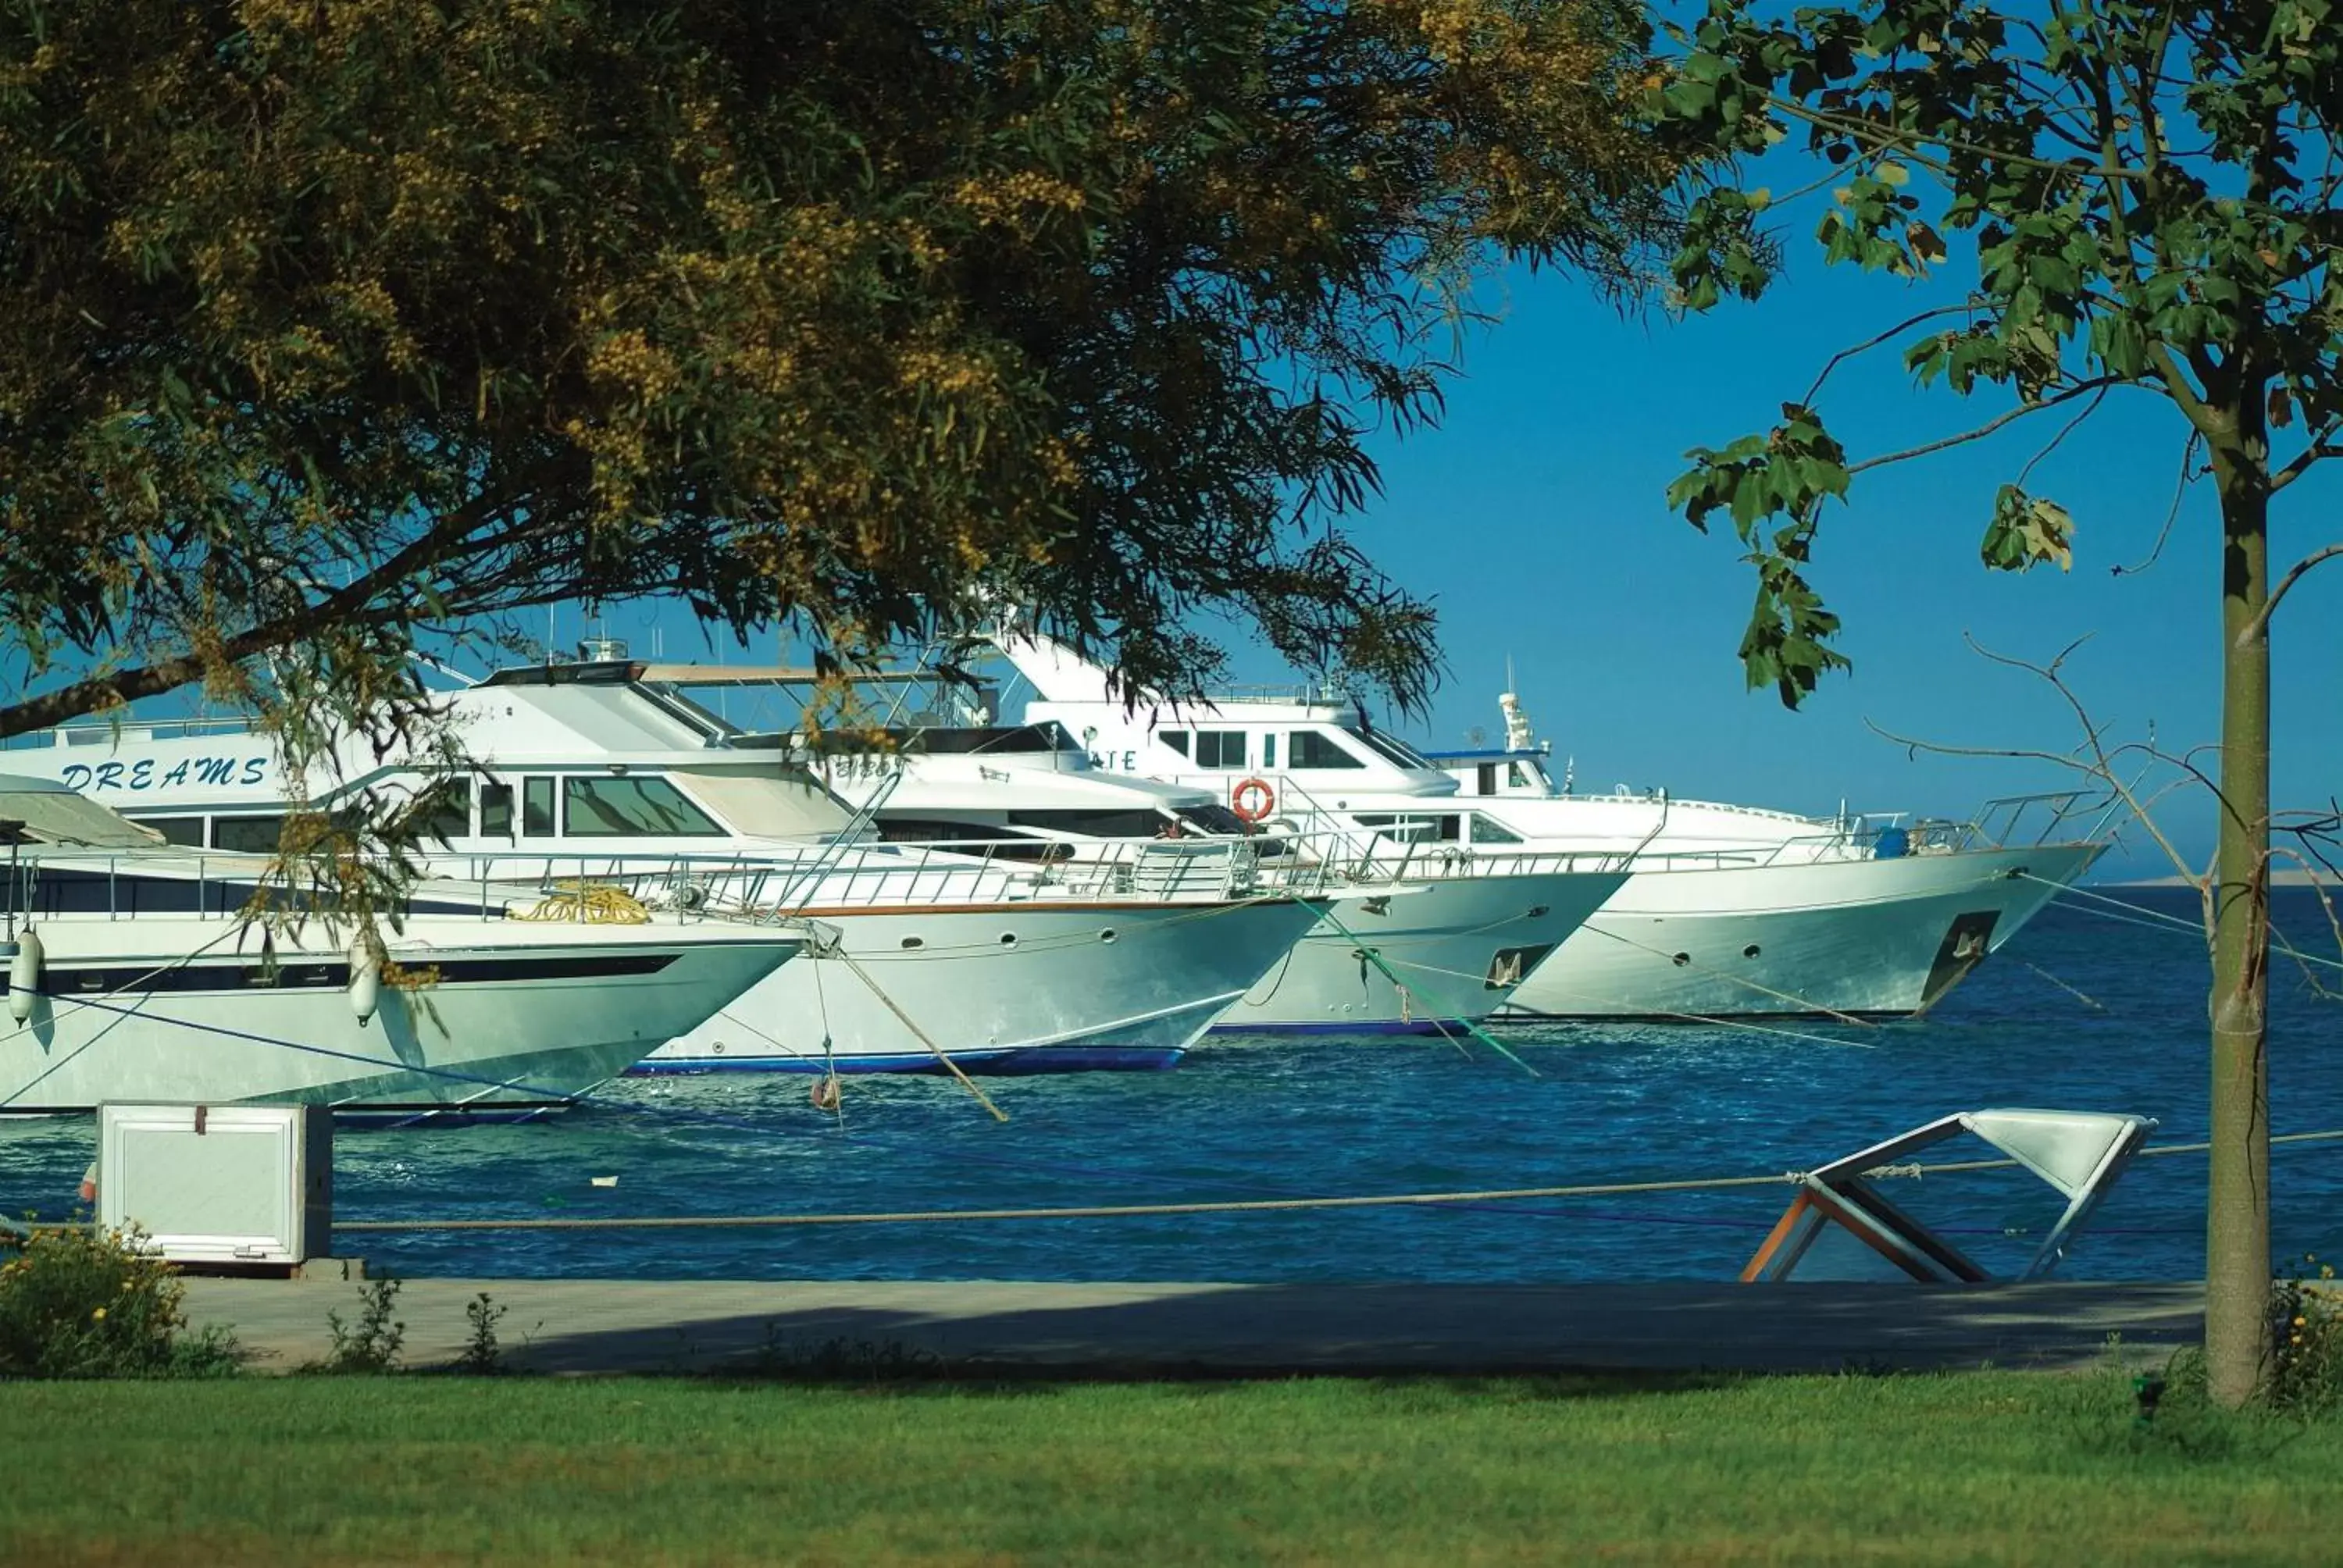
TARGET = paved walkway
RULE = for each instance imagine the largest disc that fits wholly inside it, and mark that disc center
(643, 1326)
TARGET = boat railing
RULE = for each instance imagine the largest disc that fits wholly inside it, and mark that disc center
(1354, 853)
(2056, 815)
(129, 729)
(51, 881)
(1001, 870)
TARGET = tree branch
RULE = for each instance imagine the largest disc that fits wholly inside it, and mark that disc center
(2303, 461)
(1908, 144)
(2171, 513)
(346, 605)
(2064, 395)
(1866, 347)
(2260, 623)
(2064, 431)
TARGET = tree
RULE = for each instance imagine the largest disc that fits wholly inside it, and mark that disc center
(327, 328)
(2146, 193)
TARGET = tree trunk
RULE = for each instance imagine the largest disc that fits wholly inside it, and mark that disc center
(2236, 1229)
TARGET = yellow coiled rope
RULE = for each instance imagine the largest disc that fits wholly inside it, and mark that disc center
(594, 903)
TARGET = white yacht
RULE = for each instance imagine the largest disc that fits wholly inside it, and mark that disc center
(603, 772)
(1730, 912)
(133, 972)
(1428, 943)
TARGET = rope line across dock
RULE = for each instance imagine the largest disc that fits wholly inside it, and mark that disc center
(1224, 1206)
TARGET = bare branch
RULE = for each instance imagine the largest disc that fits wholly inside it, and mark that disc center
(2064, 395)
(2316, 452)
(2172, 513)
(2064, 431)
(1868, 344)
(1908, 146)
(2260, 623)
(2091, 758)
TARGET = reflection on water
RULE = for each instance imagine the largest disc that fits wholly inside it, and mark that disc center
(1268, 1119)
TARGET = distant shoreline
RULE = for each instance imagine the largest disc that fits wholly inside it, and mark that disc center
(2285, 876)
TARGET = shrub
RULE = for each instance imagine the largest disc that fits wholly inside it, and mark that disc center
(373, 1344)
(79, 1302)
(2306, 1341)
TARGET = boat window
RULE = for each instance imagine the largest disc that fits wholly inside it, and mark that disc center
(1175, 738)
(1092, 824)
(1220, 748)
(1268, 753)
(187, 830)
(1487, 830)
(1316, 748)
(631, 807)
(495, 811)
(1485, 779)
(1515, 778)
(1444, 828)
(448, 811)
(935, 829)
(1389, 750)
(247, 835)
(537, 807)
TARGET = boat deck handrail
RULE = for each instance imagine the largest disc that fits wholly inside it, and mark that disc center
(122, 884)
(104, 732)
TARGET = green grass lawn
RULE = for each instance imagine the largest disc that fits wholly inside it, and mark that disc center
(1973, 1468)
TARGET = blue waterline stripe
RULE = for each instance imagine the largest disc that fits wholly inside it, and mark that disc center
(1427, 1026)
(1016, 1061)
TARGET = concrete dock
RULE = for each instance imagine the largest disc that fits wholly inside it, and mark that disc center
(588, 1326)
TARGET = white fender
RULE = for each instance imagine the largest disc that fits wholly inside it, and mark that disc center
(25, 976)
(366, 981)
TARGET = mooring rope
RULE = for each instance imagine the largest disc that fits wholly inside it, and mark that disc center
(2159, 920)
(1910, 1171)
(1482, 1035)
(2092, 1002)
(918, 1033)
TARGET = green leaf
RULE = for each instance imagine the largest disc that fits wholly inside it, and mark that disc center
(2027, 530)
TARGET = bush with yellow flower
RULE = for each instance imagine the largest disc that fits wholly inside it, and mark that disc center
(76, 1301)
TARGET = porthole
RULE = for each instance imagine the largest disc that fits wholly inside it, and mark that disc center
(1008, 939)
(1681, 959)
(911, 943)
(1750, 951)
(1107, 935)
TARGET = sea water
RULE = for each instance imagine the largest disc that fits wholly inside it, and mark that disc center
(1266, 1118)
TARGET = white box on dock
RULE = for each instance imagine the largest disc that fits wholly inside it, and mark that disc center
(220, 1183)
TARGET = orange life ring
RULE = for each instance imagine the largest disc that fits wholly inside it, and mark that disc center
(1253, 800)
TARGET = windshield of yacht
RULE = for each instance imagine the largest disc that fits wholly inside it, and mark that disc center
(45, 813)
(788, 803)
(991, 740)
(1216, 820)
(1527, 775)
(1389, 749)
(692, 712)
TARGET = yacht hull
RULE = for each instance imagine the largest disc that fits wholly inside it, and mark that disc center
(1867, 939)
(1081, 988)
(1459, 945)
(519, 1017)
